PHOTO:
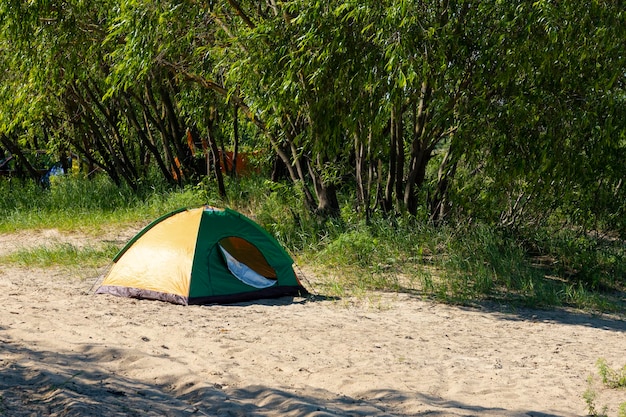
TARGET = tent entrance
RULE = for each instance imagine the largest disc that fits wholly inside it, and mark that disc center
(247, 263)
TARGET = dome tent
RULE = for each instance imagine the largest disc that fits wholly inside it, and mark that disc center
(202, 255)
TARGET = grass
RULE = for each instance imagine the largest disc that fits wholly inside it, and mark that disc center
(456, 265)
(612, 379)
(61, 254)
(449, 263)
(87, 205)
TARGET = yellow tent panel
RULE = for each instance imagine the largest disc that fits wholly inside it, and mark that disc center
(160, 260)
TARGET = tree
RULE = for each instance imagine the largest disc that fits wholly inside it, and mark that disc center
(551, 128)
(507, 111)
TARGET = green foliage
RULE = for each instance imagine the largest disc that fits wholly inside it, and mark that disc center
(75, 203)
(351, 254)
(282, 211)
(589, 260)
(590, 399)
(511, 113)
(613, 379)
(536, 167)
(610, 377)
(459, 264)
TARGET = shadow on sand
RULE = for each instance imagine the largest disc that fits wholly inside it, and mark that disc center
(34, 382)
(506, 311)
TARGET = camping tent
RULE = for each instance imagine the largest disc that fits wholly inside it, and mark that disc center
(201, 256)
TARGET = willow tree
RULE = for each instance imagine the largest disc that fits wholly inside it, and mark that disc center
(58, 67)
(549, 133)
(508, 111)
(23, 104)
(522, 101)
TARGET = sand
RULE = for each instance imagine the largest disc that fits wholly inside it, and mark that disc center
(67, 352)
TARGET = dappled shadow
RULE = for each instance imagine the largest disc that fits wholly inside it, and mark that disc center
(613, 322)
(45, 383)
(76, 384)
(505, 311)
(266, 401)
(509, 311)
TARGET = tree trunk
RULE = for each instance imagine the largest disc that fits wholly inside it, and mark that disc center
(165, 137)
(15, 150)
(393, 162)
(98, 122)
(279, 169)
(438, 203)
(360, 162)
(421, 151)
(149, 121)
(398, 126)
(217, 170)
(364, 171)
(235, 139)
(294, 164)
(327, 202)
(124, 164)
(175, 132)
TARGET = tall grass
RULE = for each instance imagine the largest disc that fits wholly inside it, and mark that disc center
(451, 263)
(87, 204)
(460, 264)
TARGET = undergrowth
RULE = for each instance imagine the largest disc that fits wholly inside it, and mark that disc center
(454, 263)
(76, 203)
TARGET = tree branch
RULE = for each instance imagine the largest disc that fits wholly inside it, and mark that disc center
(242, 14)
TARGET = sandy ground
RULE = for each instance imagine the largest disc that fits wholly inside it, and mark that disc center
(67, 352)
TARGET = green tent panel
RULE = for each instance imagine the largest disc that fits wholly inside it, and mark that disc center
(201, 256)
